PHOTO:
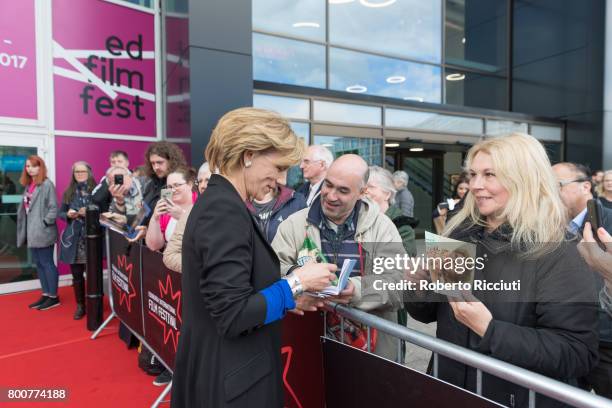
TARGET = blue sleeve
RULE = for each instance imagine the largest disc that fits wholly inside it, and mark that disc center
(279, 300)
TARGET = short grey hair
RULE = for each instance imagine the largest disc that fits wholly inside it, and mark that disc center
(382, 179)
(124, 171)
(204, 168)
(322, 153)
(402, 177)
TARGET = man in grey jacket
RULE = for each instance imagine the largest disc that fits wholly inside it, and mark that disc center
(403, 197)
(343, 224)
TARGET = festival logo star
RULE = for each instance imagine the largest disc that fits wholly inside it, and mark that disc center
(171, 297)
(123, 265)
(289, 351)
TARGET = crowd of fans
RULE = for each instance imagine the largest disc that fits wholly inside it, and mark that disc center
(529, 217)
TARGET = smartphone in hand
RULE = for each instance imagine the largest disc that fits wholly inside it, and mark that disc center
(118, 179)
(166, 194)
(594, 217)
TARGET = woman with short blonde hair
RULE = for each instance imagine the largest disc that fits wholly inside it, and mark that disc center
(254, 130)
(233, 294)
(538, 310)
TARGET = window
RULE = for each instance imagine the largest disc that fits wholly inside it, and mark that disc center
(476, 34)
(358, 72)
(347, 113)
(405, 28)
(401, 118)
(471, 89)
(295, 18)
(288, 61)
(504, 127)
(369, 149)
(294, 108)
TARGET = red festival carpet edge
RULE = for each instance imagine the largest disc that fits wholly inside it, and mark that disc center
(50, 350)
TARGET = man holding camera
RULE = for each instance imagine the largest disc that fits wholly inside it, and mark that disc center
(127, 195)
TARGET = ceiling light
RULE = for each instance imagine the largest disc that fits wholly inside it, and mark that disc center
(397, 79)
(309, 24)
(371, 4)
(327, 145)
(414, 98)
(356, 89)
(455, 77)
(463, 40)
(340, 1)
(391, 144)
(416, 149)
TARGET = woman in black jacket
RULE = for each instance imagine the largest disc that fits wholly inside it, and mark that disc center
(515, 217)
(233, 297)
(72, 243)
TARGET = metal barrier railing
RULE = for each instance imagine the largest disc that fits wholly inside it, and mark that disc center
(536, 383)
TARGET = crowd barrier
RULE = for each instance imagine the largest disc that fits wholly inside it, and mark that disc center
(536, 383)
(146, 297)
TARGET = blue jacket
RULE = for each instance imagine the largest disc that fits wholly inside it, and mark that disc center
(287, 203)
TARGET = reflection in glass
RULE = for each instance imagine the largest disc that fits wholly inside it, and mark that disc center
(294, 174)
(401, 118)
(470, 89)
(294, 108)
(543, 132)
(504, 127)
(405, 28)
(144, 3)
(369, 149)
(554, 151)
(347, 113)
(176, 84)
(382, 76)
(295, 18)
(475, 34)
(288, 61)
(15, 263)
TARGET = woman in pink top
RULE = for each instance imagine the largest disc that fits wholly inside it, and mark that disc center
(168, 212)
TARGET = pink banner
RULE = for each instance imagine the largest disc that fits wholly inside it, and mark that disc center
(104, 68)
(177, 82)
(18, 60)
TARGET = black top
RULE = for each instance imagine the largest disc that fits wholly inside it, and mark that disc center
(606, 203)
(226, 355)
(554, 338)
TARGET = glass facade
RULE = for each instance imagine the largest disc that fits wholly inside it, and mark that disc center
(438, 51)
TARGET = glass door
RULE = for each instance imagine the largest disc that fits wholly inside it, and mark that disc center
(15, 263)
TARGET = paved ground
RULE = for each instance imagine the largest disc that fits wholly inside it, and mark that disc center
(417, 357)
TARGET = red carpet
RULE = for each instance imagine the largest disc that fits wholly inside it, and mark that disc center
(49, 349)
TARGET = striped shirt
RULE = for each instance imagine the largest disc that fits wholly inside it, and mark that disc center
(337, 241)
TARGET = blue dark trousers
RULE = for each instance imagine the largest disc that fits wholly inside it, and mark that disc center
(47, 271)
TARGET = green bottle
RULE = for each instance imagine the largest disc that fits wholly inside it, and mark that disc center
(310, 252)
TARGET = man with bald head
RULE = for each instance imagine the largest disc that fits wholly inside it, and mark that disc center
(315, 164)
(344, 224)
